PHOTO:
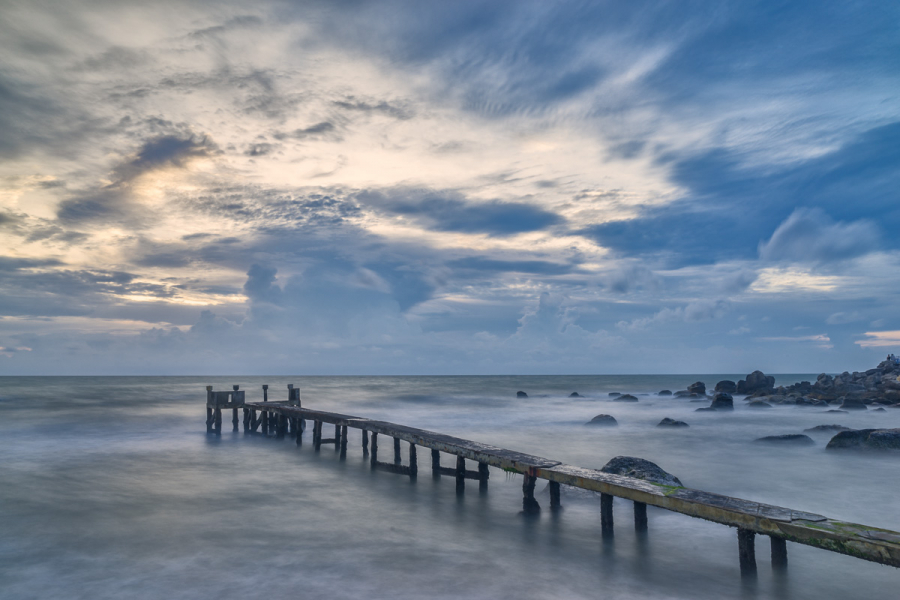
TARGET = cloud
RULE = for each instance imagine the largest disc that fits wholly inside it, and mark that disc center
(819, 341)
(842, 318)
(485, 264)
(809, 235)
(880, 339)
(397, 111)
(693, 312)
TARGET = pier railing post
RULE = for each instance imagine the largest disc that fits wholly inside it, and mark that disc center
(747, 551)
(529, 504)
(413, 462)
(374, 459)
(436, 464)
(640, 516)
(606, 515)
(779, 552)
(265, 393)
(554, 496)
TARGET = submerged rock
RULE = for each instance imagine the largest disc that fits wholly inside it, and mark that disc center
(614, 394)
(521, 394)
(759, 404)
(834, 410)
(607, 420)
(667, 422)
(638, 468)
(722, 401)
(880, 409)
(874, 439)
(575, 395)
(682, 393)
(828, 428)
(705, 409)
(851, 404)
(625, 398)
(664, 393)
(793, 439)
(727, 386)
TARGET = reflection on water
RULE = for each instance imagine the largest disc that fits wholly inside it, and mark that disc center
(110, 488)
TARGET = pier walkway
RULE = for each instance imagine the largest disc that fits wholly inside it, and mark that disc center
(750, 518)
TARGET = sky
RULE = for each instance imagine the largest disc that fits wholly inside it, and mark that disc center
(334, 187)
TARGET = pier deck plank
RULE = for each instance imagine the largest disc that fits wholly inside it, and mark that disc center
(868, 543)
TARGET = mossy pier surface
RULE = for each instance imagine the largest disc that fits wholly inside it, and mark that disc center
(751, 518)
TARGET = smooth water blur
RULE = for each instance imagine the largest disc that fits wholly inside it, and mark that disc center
(110, 488)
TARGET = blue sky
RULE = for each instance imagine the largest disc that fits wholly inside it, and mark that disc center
(448, 188)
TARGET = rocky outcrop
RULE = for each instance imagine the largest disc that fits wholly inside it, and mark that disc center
(625, 398)
(638, 468)
(604, 420)
(664, 393)
(521, 394)
(727, 386)
(791, 439)
(872, 439)
(667, 422)
(757, 381)
(722, 401)
(698, 388)
(830, 428)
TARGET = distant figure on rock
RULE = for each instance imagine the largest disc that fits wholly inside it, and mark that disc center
(521, 394)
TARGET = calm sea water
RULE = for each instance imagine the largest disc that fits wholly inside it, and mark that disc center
(110, 488)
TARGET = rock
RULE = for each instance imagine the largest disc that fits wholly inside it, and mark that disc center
(521, 394)
(850, 404)
(625, 398)
(697, 388)
(639, 468)
(834, 410)
(727, 386)
(665, 393)
(603, 420)
(575, 395)
(759, 404)
(756, 381)
(722, 401)
(875, 439)
(682, 393)
(705, 409)
(667, 422)
(828, 428)
(614, 394)
(793, 439)
(880, 409)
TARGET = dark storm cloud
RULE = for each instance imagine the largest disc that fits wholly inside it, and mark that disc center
(450, 211)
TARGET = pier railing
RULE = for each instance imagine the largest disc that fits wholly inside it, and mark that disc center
(781, 525)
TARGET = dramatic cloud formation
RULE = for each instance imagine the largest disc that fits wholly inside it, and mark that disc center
(465, 187)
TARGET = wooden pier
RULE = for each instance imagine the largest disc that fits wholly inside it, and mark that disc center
(280, 419)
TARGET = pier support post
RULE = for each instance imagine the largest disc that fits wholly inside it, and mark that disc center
(282, 426)
(265, 393)
(413, 462)
(317, 435)
(397, 459)
(264, 422)
(246, 420)
(747, 551)
(640, 516)
(299, 430)
(218, 417)
(337, 437)
(529, 504)
(234, 419)
(209, 419)
(460, 474)
(555, 504)
(483, 475)
(365, 442)
(436, 464)
(606, 515)
(343, 441)
(779, 553)
(374, 449)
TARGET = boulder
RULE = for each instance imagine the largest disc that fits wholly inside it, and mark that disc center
(756, 381)
(792, 439)
(834, 410)
(521, 394)
(639, 468)
(722, 401)
(759, 404)
(665, 393)
(667, 422)
(614, 394)
(850, 404)
(876, 439)
(705, 409)
(828, 428)
(697, 388)
(575, 395)
(625, 398)
(682, 393)
(606, 420)
(880, 409)
(727, 386)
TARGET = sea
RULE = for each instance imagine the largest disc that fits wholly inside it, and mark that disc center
(110, 487)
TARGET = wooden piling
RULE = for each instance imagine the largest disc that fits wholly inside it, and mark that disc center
(299, 429)
(344, 441)
(209, 419)
(317, 435)
(218, 417)
(779, 552)
(365, 442)
(606, 515)
(337, 437)
(264, 422)
(555, 504)
(483, 475)
(397, 459)
(747, 551)
(374, 449)
(265, 393)
(529, 504)
(640, 516)
(234, 419)
(413, 462)
(246, 420)
(282, 426)
(460, 474)
(436, 464)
